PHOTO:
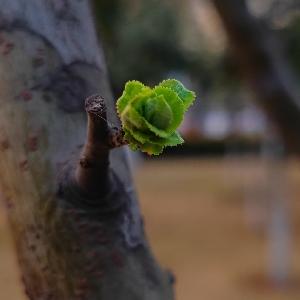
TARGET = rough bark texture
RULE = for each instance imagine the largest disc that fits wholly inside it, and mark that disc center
(260, 56)
(68, 247)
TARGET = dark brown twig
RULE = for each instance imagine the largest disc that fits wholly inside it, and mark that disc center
(92, 174)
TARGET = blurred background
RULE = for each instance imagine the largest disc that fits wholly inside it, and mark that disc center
(221, 211)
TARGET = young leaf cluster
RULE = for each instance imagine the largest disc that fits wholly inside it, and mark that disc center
(150, 117)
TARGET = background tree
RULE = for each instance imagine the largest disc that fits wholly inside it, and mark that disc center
(260, 55)
(261, 59)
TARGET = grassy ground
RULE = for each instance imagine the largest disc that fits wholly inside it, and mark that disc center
(198, 226)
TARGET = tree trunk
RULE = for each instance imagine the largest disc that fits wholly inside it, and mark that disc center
(278, 226)
(260, 57)
(70, 245)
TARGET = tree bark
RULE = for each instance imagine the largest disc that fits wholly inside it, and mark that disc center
(70, 245)
(261, 59)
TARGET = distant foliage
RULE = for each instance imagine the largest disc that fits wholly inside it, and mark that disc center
(142, 41)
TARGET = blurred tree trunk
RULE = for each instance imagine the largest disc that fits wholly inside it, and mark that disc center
(260, 57)
(69, 245)
(278, 223)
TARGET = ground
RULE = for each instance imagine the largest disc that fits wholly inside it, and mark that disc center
(206, 220)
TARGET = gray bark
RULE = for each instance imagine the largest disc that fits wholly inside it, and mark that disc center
(68, 247)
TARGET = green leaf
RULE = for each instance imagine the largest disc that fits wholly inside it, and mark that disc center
(134, 145)
(150, 117)
(132, 118)
(141, 136)
(139, 101)
(176, 105)
(158, 112)
(147, 147)
(132, 89)
(186, 96)
(173, 140)
(156, 131)
(152, 148)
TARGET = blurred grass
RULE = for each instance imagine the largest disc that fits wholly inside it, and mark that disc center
(195, 220)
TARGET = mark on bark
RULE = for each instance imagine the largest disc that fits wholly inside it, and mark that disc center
(49, 296)
(99, 273)
(63, 11)
(23, 165)
(74, 214)
(38, 61)
(44, 268)
(8, 202)
(89, 268)
(81, 224)
(83, 284)
(70, 90)
(32, 247)
(102, 238)
(62, 277)
(82, 294)
(85, 163)
(93, 254)
(32, 143)
(47, 98)
(8, 47)
(4, 145)
(76, 249)
(26, 95)
(117, 258)
(40, 49)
